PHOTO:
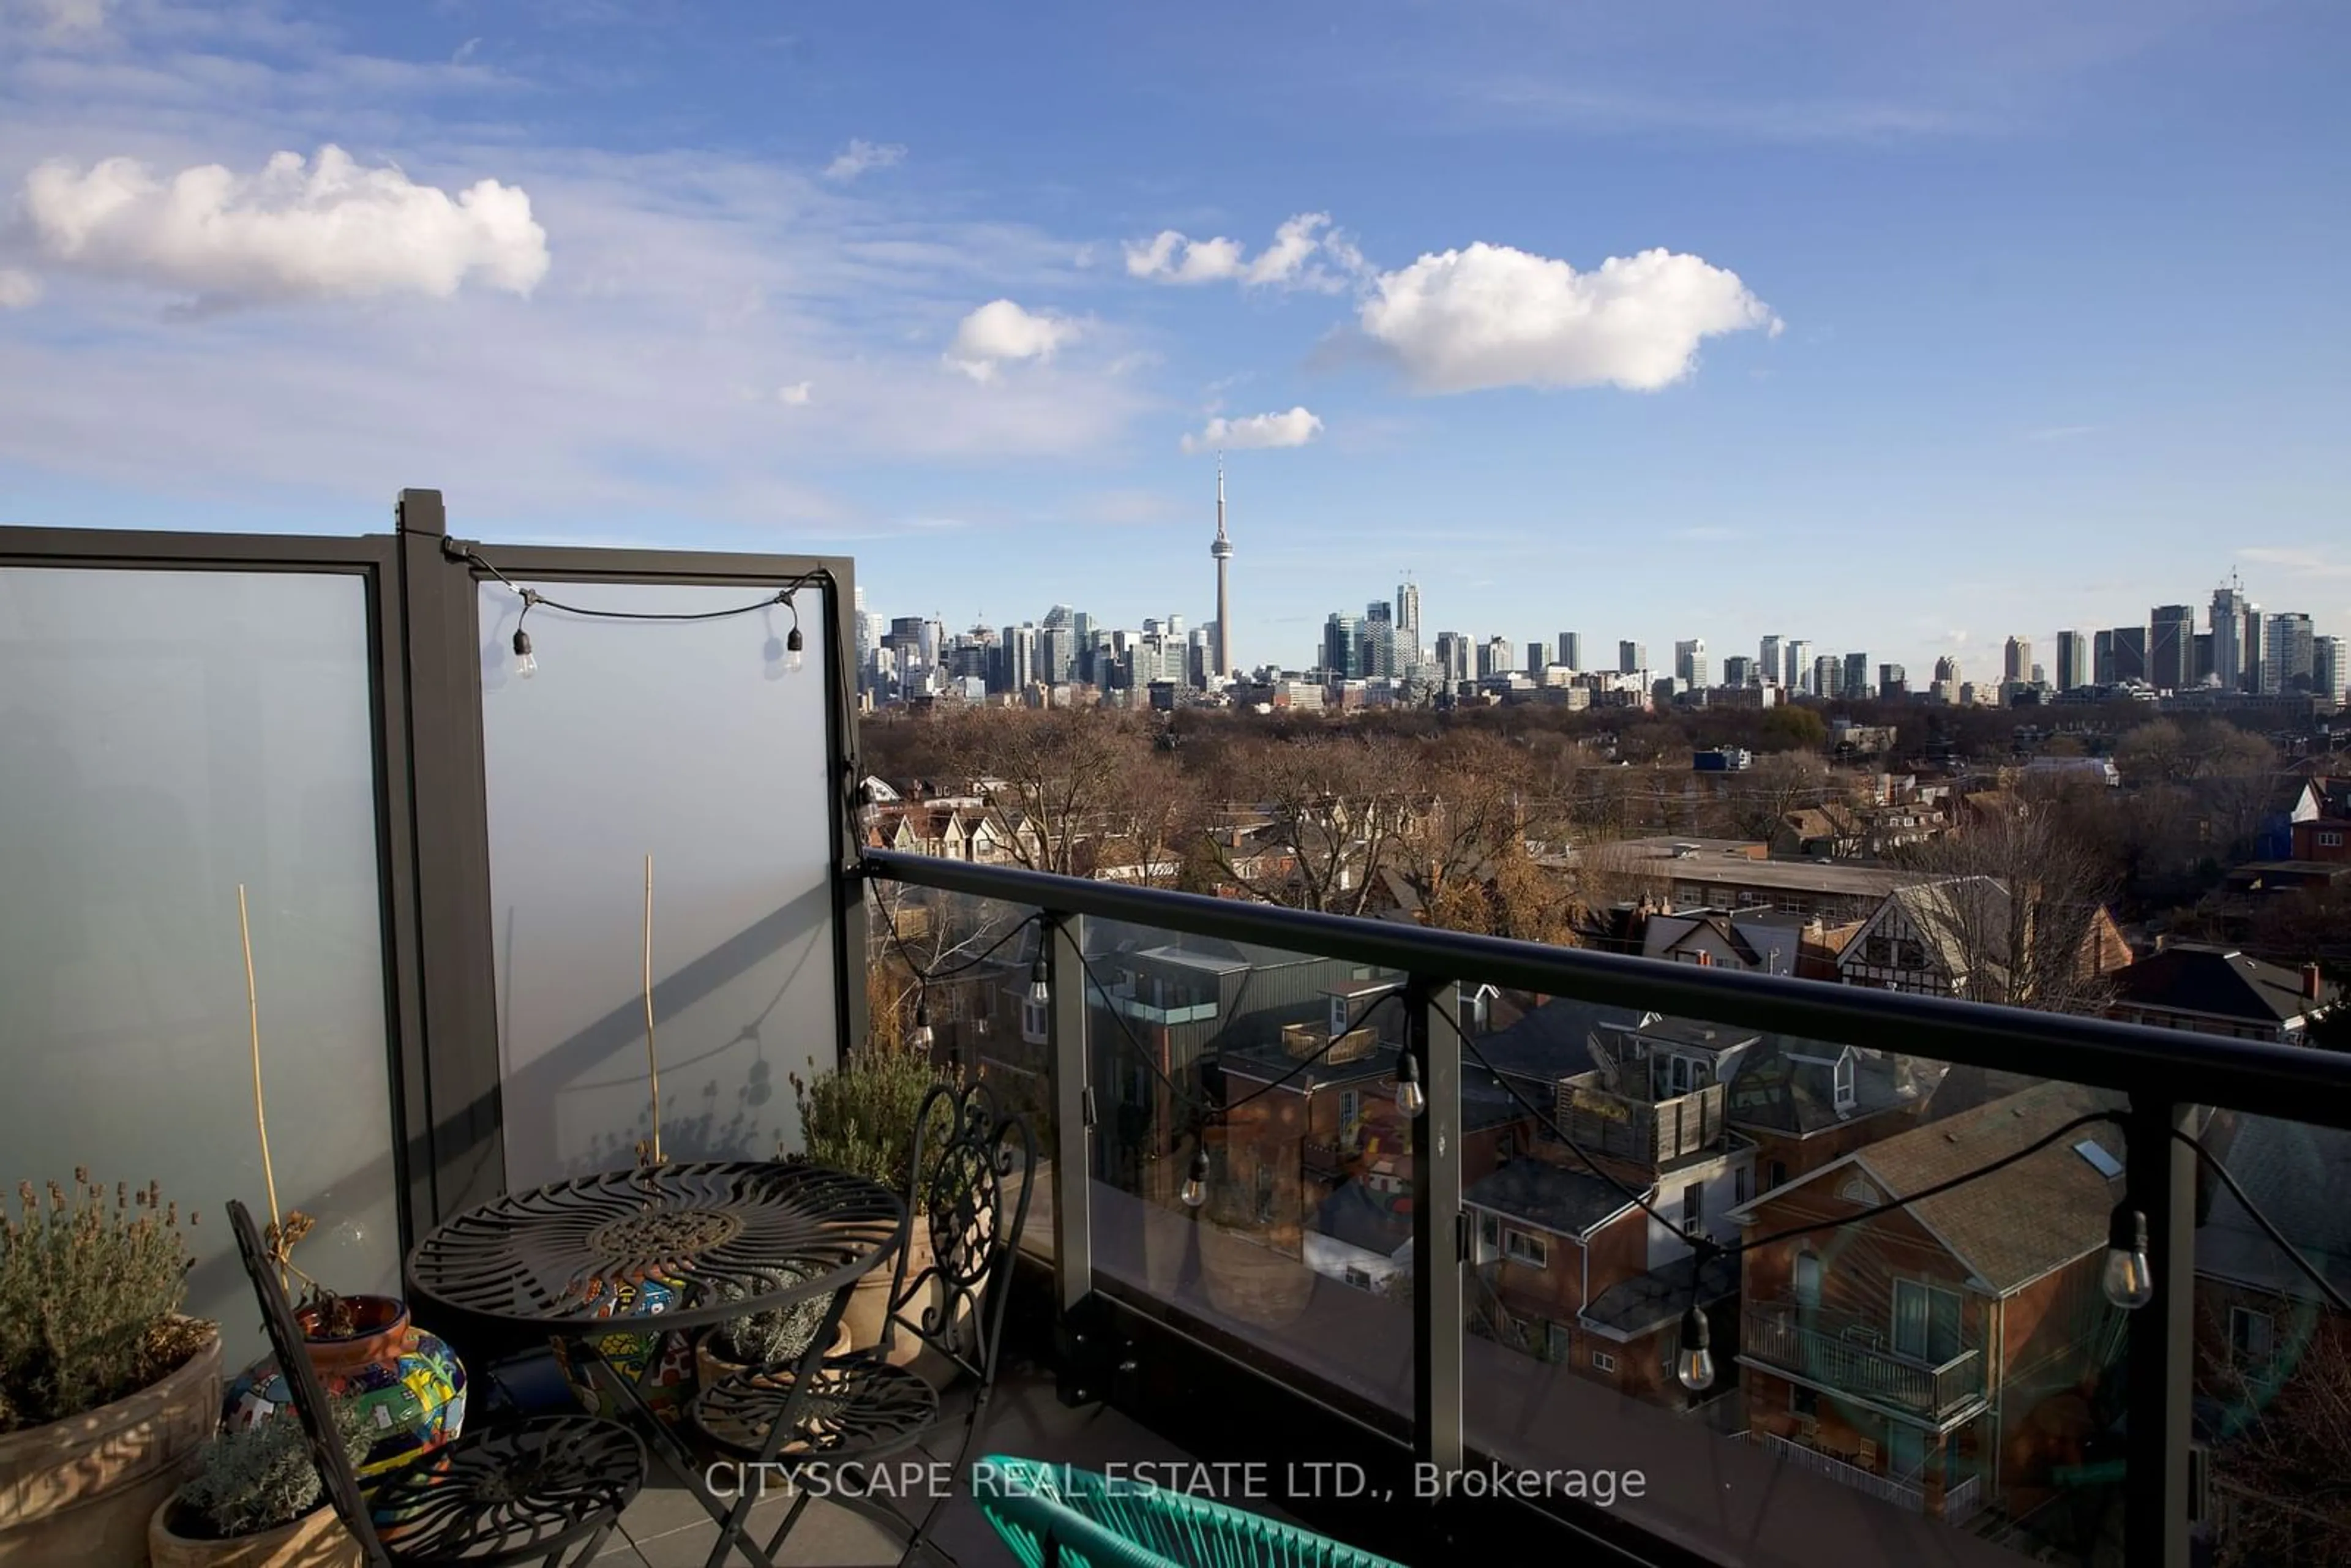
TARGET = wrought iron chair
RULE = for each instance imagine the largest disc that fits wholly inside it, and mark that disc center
(860, 1407)
(541, 1490)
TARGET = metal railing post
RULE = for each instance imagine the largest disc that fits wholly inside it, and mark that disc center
(1073, 1265)
(2162, 1370)
(1437, 1237)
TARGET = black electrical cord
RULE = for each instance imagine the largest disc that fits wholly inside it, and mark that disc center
(2269, 1227)
(531, 596)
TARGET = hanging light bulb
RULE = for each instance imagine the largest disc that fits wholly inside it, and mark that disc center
(1411, 1099)
(1196, 1185)
(919, 1036)
(1694, 1363)
(526, 661)
(1040, 983)
(792, 646)
(2130, 1282)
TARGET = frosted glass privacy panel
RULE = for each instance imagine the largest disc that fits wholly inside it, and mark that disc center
(694, 742)
(165, 736)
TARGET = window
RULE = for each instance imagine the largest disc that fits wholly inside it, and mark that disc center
(1555, 1342)
(1742, 1184)
(1926, 1322)
(1490, 1230)
(1808, 1279)
(1804, 1402)
(1693, 1208)
(1877, 950)
(2252, 1337)
(1351, 1106)
(1909, 955)
(2330, 838)
(1526, 1247)
(1775, 1174)
(1602, 1362)
(1033, 1021)
(1843, 1071)
(1338, 1017)
(1358, 1278)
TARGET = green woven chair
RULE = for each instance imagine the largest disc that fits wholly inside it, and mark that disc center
(1055, 1516)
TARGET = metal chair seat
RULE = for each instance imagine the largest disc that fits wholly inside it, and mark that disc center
(859, 1406)
(512, 1494)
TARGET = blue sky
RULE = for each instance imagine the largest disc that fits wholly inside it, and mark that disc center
(1969, 319)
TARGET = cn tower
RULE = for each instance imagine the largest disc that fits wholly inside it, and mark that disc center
(1223, 550)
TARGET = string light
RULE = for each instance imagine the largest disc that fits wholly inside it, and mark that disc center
(1195, 1183)
(2128, 1281)
(1040, 982)
(1411, 1099)
(1694, 1363)
(793, 649)
(526, 661)
(920, 1037)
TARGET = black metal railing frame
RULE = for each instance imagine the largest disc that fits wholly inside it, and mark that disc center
(2169, 1078)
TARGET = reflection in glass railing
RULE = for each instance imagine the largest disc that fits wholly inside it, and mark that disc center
(2273, 1345)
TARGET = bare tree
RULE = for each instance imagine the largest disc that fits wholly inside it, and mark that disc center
(2020, 903)
(1779, 783)
(1070, 790)
(1332, 808)
(2285, 1495)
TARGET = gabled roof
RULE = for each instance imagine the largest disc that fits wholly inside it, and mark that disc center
(1949, 916)
(2295, 1174)
(2219, 982)
(2017, 1224)
(1552, 1042)
(1547, 1196)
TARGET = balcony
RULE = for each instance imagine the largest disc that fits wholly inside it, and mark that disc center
(1850, 1358)
(1960, 1502)
(1127, 1004)
(447, 872)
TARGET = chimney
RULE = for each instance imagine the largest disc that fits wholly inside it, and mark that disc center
(2310, 982)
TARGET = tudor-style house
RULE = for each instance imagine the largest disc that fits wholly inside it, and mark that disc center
(1937, 1355)
(1960, 937)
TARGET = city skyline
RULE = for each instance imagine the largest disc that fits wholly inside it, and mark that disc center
(1920, 329)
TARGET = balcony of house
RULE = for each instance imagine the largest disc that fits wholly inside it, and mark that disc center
(1853, 1358)
(544, 866)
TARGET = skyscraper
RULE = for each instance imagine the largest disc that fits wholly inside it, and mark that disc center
(1452, 656)
(1571, 649)
(2171, 647)
(1223, 550)
(2227, 621)
(2249, 665)
(2287, 654)
(1856, 676)
(1893, 681)
(2016, 660)
(1828, 676)
(1494, 658)
(2327, 669)
(1407, 628)
(1767, 660)
(2072, 661)
(1690, 664)
(2130, 652)
(1538, 655)
(1339, 650)
(1631, 658)
(1799, 676)
(1738, 670)
(1378, 652)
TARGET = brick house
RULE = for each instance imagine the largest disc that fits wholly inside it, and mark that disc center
(1921, 1354)
(2321, 818)
(1807, 1103)
(1570, 1269)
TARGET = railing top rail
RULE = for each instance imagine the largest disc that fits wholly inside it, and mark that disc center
(2291, 1082)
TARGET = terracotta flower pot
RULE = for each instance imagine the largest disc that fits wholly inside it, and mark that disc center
(82, 1491)
(711, 1368)
(409, 1384)
(316, 1539)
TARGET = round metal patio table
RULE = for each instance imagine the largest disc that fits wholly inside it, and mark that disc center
(674, 1247)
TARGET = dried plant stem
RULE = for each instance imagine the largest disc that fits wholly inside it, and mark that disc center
(653, 1062)
(252, 1018)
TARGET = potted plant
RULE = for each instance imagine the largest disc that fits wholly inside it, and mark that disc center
(860, 1118)
(763, 1339)
(407, 1385)
(107, 1393)
(256, 1502)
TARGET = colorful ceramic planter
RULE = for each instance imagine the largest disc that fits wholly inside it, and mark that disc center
(408, 1383)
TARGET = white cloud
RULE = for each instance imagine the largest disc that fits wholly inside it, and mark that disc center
(1490, 316)
(2307, 562)
(17, 289)
(1295, 428)
(60, 19)
(1289, 262)
(322, 229)
(863, 158)
(797, 394)
(1000, 330)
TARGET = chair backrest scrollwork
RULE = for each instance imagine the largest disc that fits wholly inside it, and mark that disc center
(973, 1171)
